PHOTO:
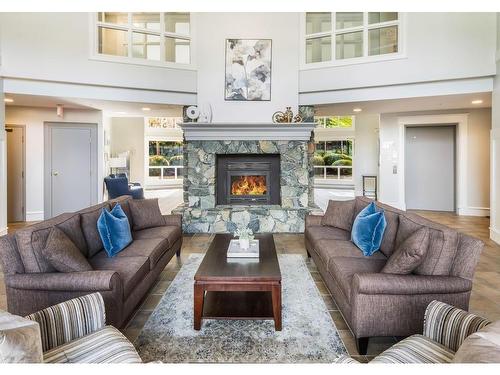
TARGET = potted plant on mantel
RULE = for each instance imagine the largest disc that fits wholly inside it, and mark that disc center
(245, 235)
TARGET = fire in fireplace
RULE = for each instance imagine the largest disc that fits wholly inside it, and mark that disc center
(248, 179)
(248, 185)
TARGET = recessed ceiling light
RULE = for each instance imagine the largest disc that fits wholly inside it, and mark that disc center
(478, 101)
(8, 100)
(357, 110)
(146, 109)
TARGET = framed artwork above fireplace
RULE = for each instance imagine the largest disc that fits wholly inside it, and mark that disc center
(248, 70)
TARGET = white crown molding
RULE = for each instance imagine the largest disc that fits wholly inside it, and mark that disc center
(245, 131)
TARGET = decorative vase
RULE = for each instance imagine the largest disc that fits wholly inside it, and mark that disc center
(286, 117)
(244, 244)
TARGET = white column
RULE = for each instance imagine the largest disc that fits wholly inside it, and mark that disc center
(3, 166)
(495, 150)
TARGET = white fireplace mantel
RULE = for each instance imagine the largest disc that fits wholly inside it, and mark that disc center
(246, 131)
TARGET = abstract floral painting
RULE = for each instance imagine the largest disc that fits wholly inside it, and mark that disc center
(248, 69)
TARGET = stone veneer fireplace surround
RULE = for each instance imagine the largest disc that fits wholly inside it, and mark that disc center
(204, 142)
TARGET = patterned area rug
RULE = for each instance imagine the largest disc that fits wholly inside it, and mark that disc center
(308, 335)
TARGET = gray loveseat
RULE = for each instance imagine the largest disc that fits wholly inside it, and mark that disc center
(32, 284)
(380, 304)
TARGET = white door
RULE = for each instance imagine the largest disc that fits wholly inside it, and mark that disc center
(430, 168)
(15, 173)
(71, 168)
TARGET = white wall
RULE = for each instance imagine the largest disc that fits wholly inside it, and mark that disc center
(212, 31)
(33, 119)
(106, 128)
(495, 149)
(438, 46)
(477, 200)
(56, 47)
(3, 166)
(59, 43)
(127, 134)
(366, 153)
(478, 151)
(389, 156)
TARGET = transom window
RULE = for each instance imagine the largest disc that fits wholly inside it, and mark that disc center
(147, 36)
(335, 122)
(331, 37)
(163, 122)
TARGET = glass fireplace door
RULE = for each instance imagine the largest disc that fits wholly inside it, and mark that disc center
(248, 187)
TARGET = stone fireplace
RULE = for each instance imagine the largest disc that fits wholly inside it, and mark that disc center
(246, 175)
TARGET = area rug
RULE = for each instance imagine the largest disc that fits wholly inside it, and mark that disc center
(309, 333)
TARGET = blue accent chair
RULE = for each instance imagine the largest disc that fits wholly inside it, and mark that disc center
(118, 185)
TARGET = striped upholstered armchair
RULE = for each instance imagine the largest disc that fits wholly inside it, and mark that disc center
(75, 331)
(445, 329)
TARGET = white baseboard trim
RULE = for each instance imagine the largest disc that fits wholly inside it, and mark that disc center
(3, 231)
(473, 211)
(34, 216)
(495, 235)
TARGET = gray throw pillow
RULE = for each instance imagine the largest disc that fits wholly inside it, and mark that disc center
(73, 229)
(339, 214)
(482, 346)
(409, 255)
(89, 227)
(63, 254)
(145, 213)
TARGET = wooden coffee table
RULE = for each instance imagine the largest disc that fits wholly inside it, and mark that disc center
(238, 288)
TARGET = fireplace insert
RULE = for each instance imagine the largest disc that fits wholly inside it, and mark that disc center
(248, 179)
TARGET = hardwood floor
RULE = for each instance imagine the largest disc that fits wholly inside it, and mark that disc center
(485, 299)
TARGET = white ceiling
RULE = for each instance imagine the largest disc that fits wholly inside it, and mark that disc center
(112, 108)
(430, 103)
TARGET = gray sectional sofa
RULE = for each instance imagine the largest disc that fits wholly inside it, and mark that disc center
(32, 284)
(381, 304)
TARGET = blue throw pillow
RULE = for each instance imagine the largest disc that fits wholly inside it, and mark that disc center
(114, 230)
(368, 229)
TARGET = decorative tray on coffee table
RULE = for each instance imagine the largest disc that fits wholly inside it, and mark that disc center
(235, 251)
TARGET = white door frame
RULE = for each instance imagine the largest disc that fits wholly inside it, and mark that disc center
(461, 122)
(23, 128)
(48, 126)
